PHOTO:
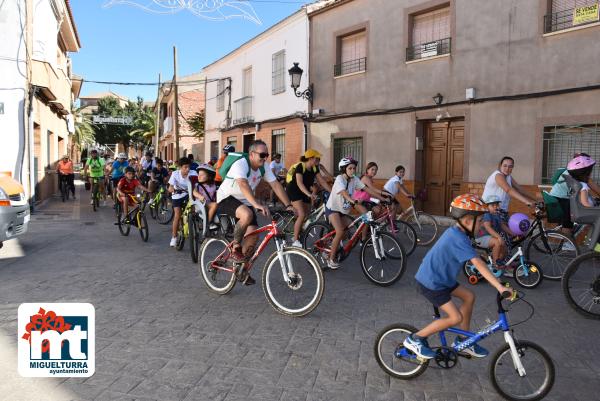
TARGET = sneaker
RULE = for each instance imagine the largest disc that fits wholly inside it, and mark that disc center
(173, 242)
(474, 350)
(419, 347)
(333, 265)
(568, 247)
(213, 226)
(297, 244)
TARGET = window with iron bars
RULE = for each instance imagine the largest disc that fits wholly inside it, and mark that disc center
(278, 74)
(561, 142)
(347, 147)
(352, 54)
(430, 35)
(561, 14)
(221, 95)
(278, 143)
(232, 140)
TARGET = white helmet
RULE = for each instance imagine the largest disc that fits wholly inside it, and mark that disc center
(121, 156)
(345, 162)
(207, 167)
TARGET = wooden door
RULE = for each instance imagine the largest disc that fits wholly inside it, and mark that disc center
(444, 154)
(248, 139)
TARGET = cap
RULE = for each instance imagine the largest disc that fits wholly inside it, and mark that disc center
(310, 153)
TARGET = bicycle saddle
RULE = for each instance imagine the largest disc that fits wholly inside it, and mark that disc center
(582, 214)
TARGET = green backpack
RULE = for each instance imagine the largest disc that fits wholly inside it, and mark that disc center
(232, 158)
(557, 174)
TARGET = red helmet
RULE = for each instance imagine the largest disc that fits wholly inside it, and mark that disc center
(466, 204)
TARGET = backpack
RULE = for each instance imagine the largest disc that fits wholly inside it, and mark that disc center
(232, 158)
(557, 174)
(292, 172)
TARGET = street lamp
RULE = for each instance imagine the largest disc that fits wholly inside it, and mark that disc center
(438, 99)
(296, 77)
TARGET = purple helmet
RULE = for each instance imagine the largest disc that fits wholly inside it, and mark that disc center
(580, 162)
(519, 224)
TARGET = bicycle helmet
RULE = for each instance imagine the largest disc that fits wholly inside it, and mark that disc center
(121, 156)
(208, 168)
(491, 199)
(580, 166)
(345, 162)
(467, 204)
(129, 170)
(228, 148)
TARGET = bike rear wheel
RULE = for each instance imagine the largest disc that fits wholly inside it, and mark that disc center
(392, 357)
(406, 235)
(539, 377)
(194, 236)
(554, 251)
(313, 233)
(391, 265)
(529, 274)
(581, 285)
(142, 225)
(425, 226)
(304, 291)
(164, 210)
(217, 280)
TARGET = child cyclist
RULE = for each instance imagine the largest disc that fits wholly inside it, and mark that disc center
(493, 232)
(206, 190)
(436, 277)
(340, 202)
(127, 186)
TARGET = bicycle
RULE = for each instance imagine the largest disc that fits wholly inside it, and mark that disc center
(286, 222)
(581, 281)
(96, 193)
(404, 232)
(424, 224)
(64, 187)
(527, 274)
(376, 251)
(161, 207)
(523, 360)
(292, 280)
(551, 249)
(135, 216)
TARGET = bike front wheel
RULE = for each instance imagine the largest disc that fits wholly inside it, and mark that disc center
(538, 379)
(212, 259)
(528, 274)
(293, 282)
(425, 226)
(164, 210)
(123, 227)
(581, 285)
(313, 233)
(554, 251)
(142, 225)
(386, 269)
(393, 358)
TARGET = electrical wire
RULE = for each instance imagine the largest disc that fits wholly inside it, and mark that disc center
(182, 83)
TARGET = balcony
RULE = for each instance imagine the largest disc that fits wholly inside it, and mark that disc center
(350, 67)
(564, 20)
(430, 49)
(242, 110)
(167, 126)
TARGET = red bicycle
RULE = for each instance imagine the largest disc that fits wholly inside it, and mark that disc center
(382, 257)
(291, 277)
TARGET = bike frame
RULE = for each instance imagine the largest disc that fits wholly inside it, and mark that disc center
(135, 209)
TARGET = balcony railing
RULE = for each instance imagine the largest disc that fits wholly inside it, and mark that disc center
(242, 110)
(561, 20)
(430, 49)
(350, 67)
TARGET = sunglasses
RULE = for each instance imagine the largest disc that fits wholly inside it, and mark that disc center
(262, 155)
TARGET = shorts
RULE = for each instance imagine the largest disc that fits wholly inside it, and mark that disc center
(229, 206)
(437, 297)
(484, 241)
(565, 205)
(181, 202)
(295, 194)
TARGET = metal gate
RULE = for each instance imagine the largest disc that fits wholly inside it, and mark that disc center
(344, 147)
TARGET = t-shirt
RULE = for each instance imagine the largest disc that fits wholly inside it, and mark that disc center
(208, 191)
(96, 167)
(65, 167)
(118, 170)
(561, 188)
(308, 176)
(240, 169)
(160, 174)
(194, 166)
(148, 165)
(276, 167)
(391, 187)
(127, 186)
(585, 187)
(445, 259)
(492, 188)
(337, 202)
(180, 183)
(494, 219)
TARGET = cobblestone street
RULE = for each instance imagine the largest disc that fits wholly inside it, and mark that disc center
(161, 335)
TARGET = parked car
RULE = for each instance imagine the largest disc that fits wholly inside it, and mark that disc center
(14, 209)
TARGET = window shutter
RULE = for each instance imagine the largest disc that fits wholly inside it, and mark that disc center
(566, 5)
(354, 47)
(431, 26)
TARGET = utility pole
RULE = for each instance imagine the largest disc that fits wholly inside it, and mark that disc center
(176, 116)
(157, 128)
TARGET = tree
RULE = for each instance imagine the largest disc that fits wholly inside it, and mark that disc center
(107, 133)
(196, 124)
(84, 134)
(144, 123)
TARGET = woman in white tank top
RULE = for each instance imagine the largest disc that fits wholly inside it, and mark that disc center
(501, 184)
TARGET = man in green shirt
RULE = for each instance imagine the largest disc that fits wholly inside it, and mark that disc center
(94, 169)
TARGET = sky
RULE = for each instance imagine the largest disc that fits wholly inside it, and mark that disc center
(123, 43)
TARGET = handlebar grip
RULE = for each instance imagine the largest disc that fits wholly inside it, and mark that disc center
(506, 294)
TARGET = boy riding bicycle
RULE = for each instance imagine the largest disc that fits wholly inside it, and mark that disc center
(436, 277)
(127, 186)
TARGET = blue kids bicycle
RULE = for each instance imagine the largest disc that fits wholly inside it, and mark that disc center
(519, 370)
